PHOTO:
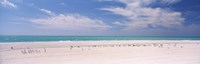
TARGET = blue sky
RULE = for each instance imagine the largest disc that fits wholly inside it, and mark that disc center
(100, 17)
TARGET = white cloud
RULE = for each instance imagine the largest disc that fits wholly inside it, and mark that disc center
(70, 22)
(62, 4)
(147, 2)
(7, 3)
(169, 2)
(139, 15)
(104, 0)
(47, 11)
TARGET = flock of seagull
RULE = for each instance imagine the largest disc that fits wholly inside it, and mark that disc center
(44, 50)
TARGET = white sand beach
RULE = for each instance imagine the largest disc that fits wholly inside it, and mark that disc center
(102, 52)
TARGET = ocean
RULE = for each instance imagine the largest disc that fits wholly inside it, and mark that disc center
(91, 38)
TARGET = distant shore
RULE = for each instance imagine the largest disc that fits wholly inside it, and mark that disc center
(101, 52)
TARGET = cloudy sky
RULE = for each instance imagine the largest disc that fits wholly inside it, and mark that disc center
(100, 17)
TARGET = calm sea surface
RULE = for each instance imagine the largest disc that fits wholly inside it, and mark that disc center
(91, 38)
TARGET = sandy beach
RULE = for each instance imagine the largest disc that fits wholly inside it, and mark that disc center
(102, 52)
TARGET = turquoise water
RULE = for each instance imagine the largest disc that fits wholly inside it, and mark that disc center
(88, 38)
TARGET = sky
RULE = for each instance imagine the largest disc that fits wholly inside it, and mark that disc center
(100, 17)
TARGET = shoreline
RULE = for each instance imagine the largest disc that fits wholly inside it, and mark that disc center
(89, 41)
